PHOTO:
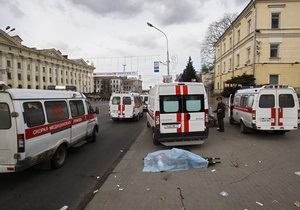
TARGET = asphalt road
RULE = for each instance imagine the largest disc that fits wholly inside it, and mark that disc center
(85, 170)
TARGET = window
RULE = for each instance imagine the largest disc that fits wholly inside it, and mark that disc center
(19, 76)
(194, 103)
(170, 104)
(19, 65)
(8, 63)
(230, 63)
(266, 101)
(274, 50)
(249, 26)
(286, 101)
(8, 75)
(34, 114)
(77, 108)
(36, 78)
(5, 122)
(36, 68)
(44, 79)
(274, 79)
(28, 77)
(275, 20)
(126, 100)
(56, 111)
(230, 42)
(224, 66)
(248, 54)
(237, 59)
(244, 100)
(116, 100)
(239, 35)
(28, 66)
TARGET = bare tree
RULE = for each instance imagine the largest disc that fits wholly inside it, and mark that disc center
(214, 32)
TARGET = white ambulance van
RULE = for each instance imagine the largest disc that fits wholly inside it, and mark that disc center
(270, 108)
(38, 125)
(125, 105)
(145, 101)
(178, 113)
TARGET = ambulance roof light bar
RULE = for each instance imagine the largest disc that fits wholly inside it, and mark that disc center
(275, 86)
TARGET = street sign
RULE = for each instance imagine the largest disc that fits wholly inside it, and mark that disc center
(156, 66)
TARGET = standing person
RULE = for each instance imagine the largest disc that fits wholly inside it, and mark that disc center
(220, 113)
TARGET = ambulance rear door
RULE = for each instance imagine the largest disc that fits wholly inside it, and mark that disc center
(276, 109)
(8, 132)
(182, 109)
(287, 111)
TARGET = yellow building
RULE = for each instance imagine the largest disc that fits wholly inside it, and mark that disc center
(264, 40)
(24, 67)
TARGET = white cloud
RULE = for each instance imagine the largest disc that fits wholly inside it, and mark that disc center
(114, 33)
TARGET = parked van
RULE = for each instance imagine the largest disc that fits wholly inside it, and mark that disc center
(145, 101)
(178, 113)
(125, 105)
(38, 125)
(271, 108)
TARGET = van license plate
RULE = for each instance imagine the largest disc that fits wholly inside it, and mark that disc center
(172, 126)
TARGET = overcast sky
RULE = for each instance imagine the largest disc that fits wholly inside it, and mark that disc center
(113, 34)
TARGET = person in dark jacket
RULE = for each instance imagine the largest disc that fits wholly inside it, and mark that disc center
(220, 113)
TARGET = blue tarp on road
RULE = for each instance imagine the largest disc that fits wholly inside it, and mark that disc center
(173, 160)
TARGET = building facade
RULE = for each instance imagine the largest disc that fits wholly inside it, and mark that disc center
(108, 85)
(264, 40)
(24, 67)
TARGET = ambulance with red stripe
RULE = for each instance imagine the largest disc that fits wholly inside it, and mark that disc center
(39, 125)
(270, 108)
(125, 105)
(178, 113)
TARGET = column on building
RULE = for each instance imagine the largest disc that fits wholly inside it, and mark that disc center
(24, 72)
(54, 73)
(47, 66)
(32, 76)
(63, 76)
(3, 67)
(14, 75)
(41, 75)
(58, 75)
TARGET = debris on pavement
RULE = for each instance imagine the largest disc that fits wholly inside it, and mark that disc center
(223, 193)
(96, 191)
(297, 203)
(259, 203)
(173, 160)
(297, 173)
(64, 208)
(212, 160)
(162, 198)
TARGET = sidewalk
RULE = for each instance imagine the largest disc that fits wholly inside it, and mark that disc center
(253, 174)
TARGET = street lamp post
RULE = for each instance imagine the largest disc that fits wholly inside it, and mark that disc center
(168, 61)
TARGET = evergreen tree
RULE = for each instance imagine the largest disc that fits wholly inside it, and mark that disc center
(189, 72)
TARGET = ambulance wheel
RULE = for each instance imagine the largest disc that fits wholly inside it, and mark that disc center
(59, 157)
(137, 118)
(155, 142)
(94, 135)
(244, 129)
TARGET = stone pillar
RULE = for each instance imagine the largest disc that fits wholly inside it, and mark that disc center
(14, 75)
(3, 67)
(24, 73)
(32, 75)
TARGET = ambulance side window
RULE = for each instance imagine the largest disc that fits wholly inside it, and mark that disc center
(237, 100)
(89, 107)
(34, 114)
(56, 111)
(266, 101)
(126, 100)
(250, 101)
(77, 108)
(286, 101)
(116, 100)
(169, 104)
(5, 122)
(194, 103)
(244, 100)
